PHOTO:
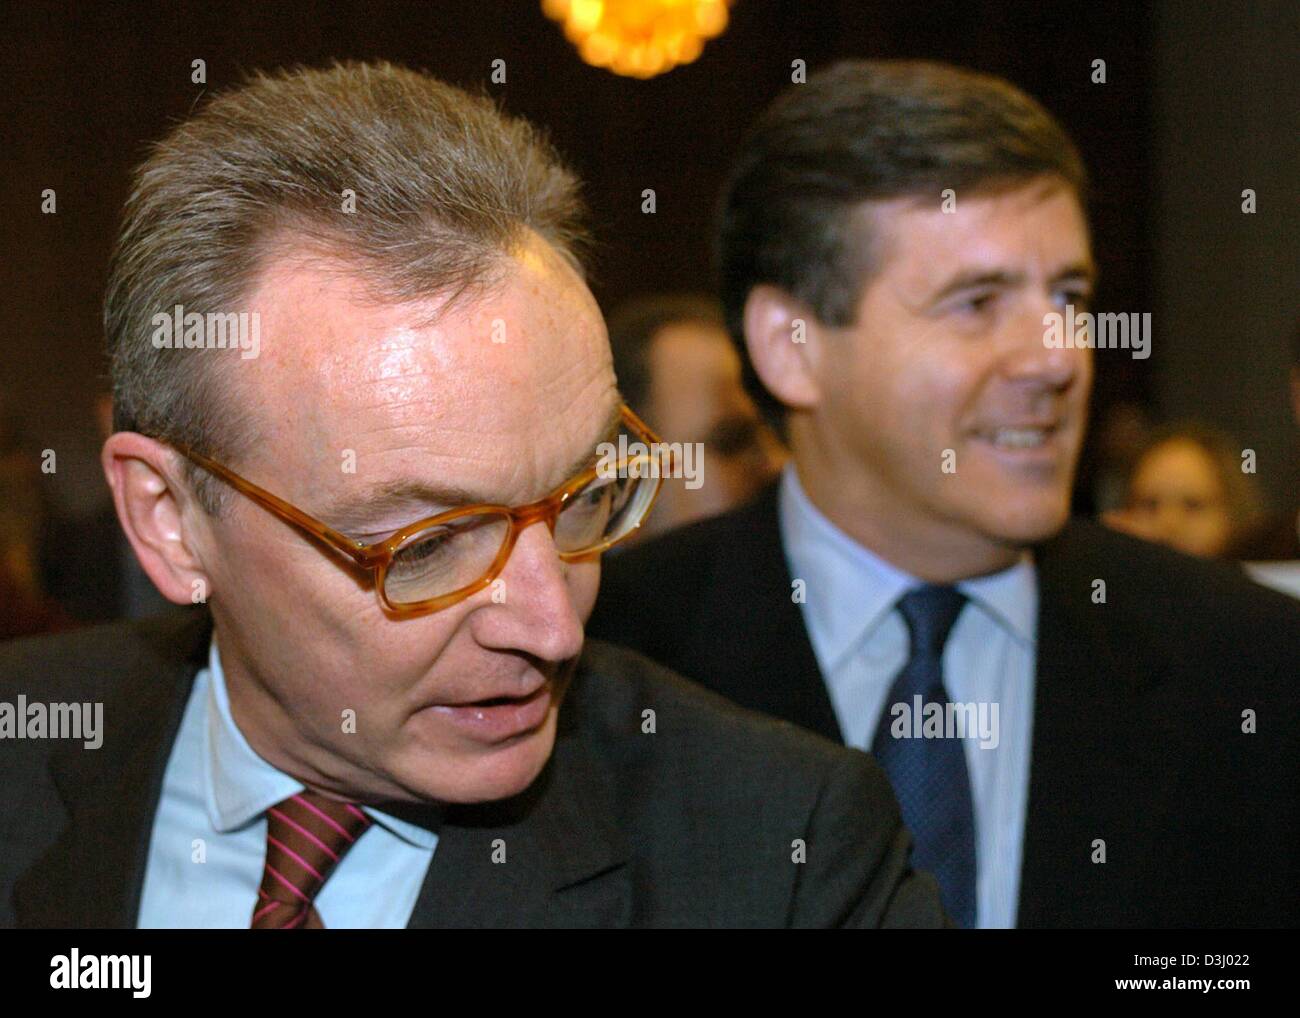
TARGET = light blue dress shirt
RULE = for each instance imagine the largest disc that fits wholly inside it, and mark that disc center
(861, 643)
(215, 794)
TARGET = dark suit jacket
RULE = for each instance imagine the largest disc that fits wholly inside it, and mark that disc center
(1274, 540)
(1137, 725)
(691, 826)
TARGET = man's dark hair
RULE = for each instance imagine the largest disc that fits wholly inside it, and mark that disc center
(633, 326)
(866, 131)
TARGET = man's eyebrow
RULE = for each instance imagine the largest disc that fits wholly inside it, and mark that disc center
(1086, 271)
(397, 496)
(973, 278)
(977, 278)
(405, 495)
(609, 430)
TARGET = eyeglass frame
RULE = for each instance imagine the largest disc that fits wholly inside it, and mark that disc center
(376, 557)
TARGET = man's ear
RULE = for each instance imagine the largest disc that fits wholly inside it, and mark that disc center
(785, 341)
(157, 513)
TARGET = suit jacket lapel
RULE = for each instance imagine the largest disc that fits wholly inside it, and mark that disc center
(551, 857)
(752, 637)
(1096, 727)
(93, 874)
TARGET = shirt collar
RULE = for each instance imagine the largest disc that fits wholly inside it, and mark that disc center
(850, 589)
(1010, 598)
(239, 786)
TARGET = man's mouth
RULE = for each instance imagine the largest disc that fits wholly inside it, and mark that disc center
(1020, 438)
(495, 719)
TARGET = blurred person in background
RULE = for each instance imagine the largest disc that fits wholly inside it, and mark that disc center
(86, 561)
(1120, 433)
(25, 610)
(1187, 490)
(1276, 538)
(677, 366)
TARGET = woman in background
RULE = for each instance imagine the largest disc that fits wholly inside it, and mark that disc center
(1187, 490)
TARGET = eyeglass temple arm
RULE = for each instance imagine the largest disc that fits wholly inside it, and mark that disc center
(355, 550)
(362, 554)
(636, 424)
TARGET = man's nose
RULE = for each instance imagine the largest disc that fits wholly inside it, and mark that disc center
(1030, 357)
(531, 607)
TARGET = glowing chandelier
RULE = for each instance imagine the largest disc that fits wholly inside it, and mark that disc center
(639, 38)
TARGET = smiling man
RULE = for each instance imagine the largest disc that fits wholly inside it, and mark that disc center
(384, 713)
(938, 429)
(895, 238)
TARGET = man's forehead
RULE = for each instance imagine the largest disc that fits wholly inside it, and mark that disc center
(447, 399)
(325, 334)
(320, 310)
(410, 492)
(926, 239)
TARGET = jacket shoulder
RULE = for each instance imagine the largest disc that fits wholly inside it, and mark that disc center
(83, 663)
(1162, 579)
(1205, 620)
(631, 684)
(739, 818)
(651, 593)
(683, 552)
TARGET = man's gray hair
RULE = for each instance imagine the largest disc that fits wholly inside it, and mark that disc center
(445, 186)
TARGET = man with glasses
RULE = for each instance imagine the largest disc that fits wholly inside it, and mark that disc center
(383, 714)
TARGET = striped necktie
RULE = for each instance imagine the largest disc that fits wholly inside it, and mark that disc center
(306, 836)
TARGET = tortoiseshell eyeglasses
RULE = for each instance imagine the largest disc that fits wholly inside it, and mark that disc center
(435, 562)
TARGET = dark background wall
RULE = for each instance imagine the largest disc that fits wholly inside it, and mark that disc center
(84, 88)
(1226, 283)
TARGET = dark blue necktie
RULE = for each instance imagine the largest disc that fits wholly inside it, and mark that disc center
(929, 774)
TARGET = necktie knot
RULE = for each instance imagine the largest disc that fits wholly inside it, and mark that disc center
(930, 613)
(306, 836)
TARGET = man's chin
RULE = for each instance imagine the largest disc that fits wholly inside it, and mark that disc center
(1029, 522)
(483, 775)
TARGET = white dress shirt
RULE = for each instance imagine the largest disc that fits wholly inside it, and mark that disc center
(216, 791)
(861, 643)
